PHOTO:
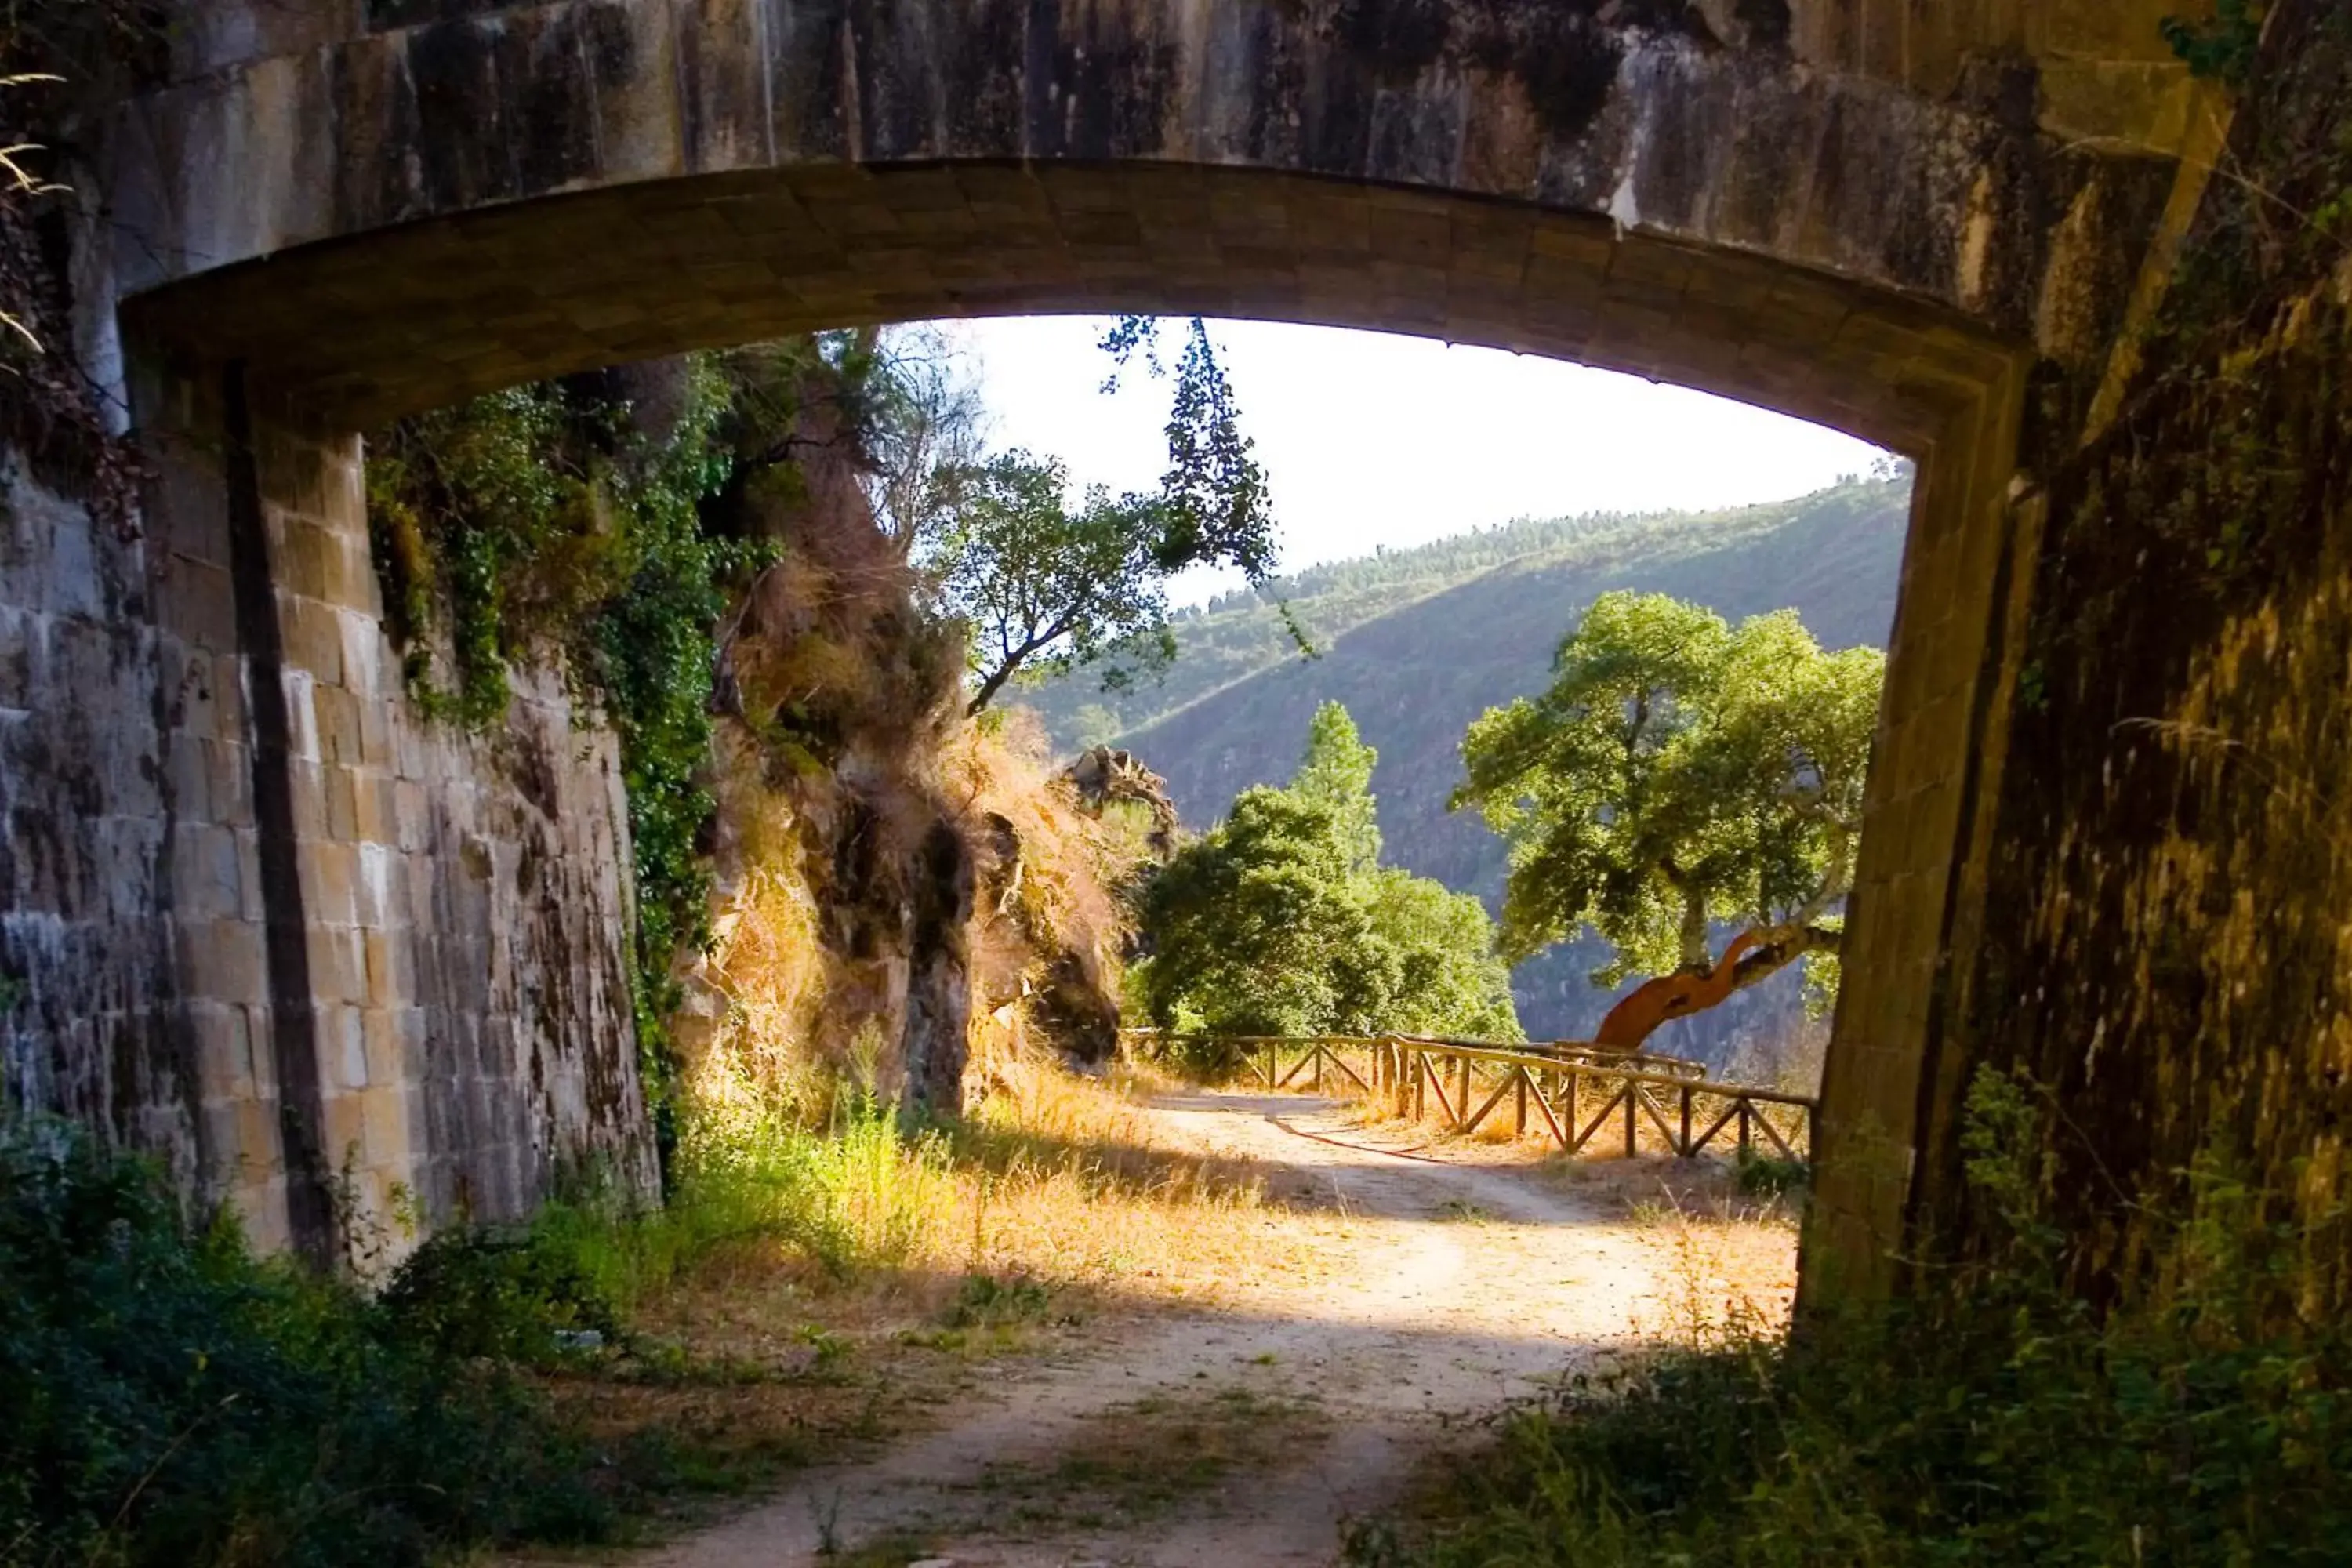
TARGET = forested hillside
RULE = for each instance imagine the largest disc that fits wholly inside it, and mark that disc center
(1419, 643)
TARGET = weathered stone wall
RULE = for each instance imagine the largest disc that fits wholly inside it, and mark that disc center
(338, 966)
(89, 857)
(2168, 859)
(1897, 215)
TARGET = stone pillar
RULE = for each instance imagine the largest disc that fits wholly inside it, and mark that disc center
(398, 952)
(1919, 883)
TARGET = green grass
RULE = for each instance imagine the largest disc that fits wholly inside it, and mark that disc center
(855, 1194)
(1999, 1421)
(174, 1400)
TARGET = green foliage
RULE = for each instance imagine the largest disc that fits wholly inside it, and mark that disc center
(2224, 48)
(1338, 771)
(1998, 1421)
(1213, 493)
(1678, 772)
(487, 530)
(1256, 929)
(651, 660)
(855, 1195)
(1283, 920)
(1448, 979)
(499, 1294)
(171, 1399)
(539, 524)
(174, 1401)
(1770, 1175)
(985, 1301)
(1046, 590)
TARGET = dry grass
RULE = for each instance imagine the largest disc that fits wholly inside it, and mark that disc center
(1057, 1187)
(1068, 1180)
(900, 1268)
(1134, 1462)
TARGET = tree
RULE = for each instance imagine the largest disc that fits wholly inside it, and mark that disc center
(1680, 773)
(1254, 928)
(1045, 588)
(1284, 921)
(1449, 979)
(1338, 771)
(1048, 589)
(899, 405)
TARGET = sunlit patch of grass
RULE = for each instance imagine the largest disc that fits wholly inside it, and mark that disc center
(1068, 1179)
(810, 1288)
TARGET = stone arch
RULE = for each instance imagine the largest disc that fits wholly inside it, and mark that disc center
(375, 214)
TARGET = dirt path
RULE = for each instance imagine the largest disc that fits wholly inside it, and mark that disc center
(1253, 1434)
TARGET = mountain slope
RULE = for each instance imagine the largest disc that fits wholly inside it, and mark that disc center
(1426, 640)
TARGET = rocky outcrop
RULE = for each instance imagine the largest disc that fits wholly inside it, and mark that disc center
(1105, 777)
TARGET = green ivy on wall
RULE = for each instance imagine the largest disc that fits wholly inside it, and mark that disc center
(2222, 48)
(540, 526)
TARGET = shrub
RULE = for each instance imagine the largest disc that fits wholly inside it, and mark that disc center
(1769, 1176)
(501, 1294)
(174, 1400)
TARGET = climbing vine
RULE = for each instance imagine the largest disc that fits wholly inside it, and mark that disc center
(541, 526)
(2223, 48)
(60, 61)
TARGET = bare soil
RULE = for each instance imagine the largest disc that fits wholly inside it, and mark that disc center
(1448, 1284)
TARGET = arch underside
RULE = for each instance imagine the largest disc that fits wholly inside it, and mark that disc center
(419, 315)
(341, 334)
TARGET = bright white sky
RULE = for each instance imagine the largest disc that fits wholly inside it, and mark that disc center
(1372, 440)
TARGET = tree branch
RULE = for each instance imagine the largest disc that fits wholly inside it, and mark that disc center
(1012, 660)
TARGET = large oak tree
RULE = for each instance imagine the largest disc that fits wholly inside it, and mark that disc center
(1679, 774)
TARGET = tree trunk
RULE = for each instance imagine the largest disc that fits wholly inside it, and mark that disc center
(1753, 957)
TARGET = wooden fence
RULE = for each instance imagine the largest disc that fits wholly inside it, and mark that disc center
(1571, 1094)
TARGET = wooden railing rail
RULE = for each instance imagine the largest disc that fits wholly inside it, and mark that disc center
(1467, 1082)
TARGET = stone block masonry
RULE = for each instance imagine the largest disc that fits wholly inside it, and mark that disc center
(348, 971)
(1924, 222)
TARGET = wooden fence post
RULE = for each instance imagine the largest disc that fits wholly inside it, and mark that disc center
(1685, 1150)
(1632, 1091)
(1519, 1090)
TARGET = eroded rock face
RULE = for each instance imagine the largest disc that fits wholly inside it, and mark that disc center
(935, 1039)
(1104, 776)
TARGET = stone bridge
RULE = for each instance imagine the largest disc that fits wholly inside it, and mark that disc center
(332, 961)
